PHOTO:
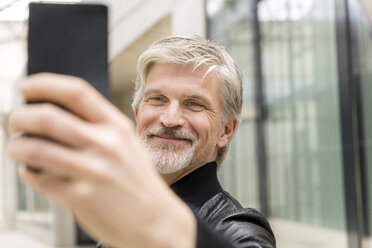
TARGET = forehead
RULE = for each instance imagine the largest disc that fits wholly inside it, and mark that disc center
(175, 70)
(168, 72)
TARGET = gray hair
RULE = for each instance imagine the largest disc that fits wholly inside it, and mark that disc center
(197, 52)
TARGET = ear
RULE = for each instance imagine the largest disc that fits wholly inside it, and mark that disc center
(135, 111)
(227, 132)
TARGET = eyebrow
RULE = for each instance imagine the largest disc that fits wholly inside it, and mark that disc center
(153, 91)
(203, 99)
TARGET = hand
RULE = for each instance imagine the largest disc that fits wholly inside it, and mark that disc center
(93, 163)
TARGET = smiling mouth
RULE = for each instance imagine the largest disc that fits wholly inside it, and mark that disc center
(170, 138)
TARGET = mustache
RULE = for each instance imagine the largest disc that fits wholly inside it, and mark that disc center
(175, 132)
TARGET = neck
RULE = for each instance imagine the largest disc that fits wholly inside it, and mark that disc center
(174, 177)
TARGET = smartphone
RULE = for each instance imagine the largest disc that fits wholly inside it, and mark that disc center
(69, 39)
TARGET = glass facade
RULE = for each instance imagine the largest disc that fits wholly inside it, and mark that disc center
(303, 124)
(361, 23)
(229, 24)
(30, 201)
(306, 173)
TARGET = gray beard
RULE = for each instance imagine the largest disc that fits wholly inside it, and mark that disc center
(170, 158)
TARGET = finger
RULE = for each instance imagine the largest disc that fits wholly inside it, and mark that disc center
(50, 121)
(47, 185)
(51, 158)
(74, 93)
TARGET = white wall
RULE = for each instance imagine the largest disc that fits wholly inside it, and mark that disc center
(130, 19)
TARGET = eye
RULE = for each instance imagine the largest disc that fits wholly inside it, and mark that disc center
(157, 99)
(195, 105)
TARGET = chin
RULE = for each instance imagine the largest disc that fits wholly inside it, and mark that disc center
(171, 164)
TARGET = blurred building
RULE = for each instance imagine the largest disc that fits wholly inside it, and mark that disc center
(303, 151)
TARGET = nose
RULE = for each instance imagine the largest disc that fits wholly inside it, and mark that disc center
(172, 115)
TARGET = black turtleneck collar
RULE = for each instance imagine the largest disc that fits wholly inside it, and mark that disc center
(198, 186)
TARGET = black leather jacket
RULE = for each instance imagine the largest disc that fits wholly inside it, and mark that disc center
(222, 221)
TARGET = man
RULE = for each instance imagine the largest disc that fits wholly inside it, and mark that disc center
(187, 105)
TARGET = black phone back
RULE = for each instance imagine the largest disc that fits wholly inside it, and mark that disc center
(69, 39)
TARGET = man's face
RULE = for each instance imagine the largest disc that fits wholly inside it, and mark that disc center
(179, 118)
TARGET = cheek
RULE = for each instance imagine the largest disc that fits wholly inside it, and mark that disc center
(204, 126)
(145, 117)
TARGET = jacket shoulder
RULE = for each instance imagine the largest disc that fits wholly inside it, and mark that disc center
(246, 227)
